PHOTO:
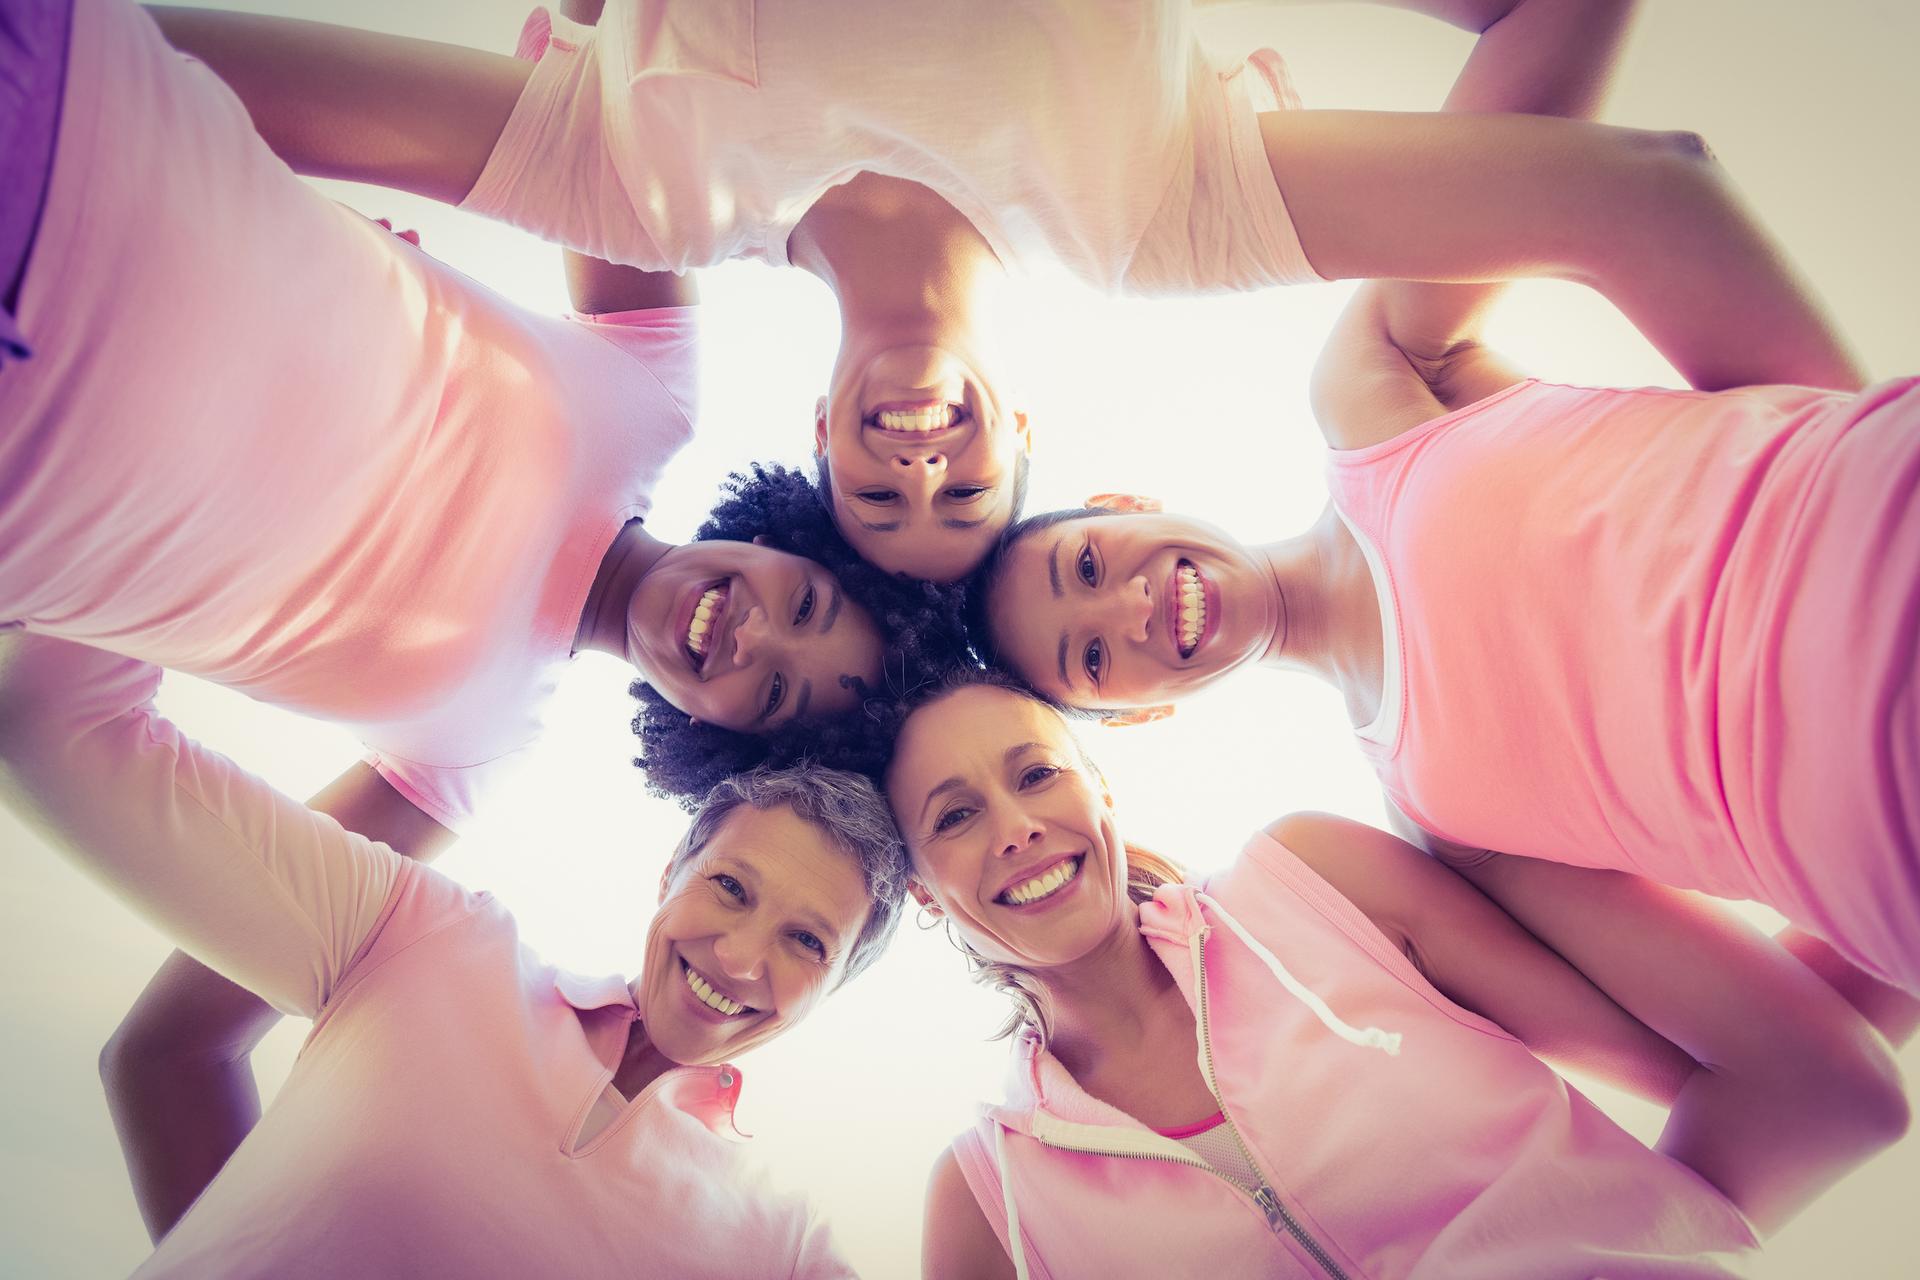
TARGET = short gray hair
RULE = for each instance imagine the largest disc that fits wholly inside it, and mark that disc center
(847, 807)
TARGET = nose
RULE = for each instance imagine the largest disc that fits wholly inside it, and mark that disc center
(1021, 831)
(750, 634)
(1129, 612)
(920, 469)
(741, 954)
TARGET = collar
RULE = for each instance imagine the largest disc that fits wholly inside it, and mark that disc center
(708, 1093)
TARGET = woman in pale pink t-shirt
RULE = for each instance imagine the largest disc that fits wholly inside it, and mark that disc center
(461, 1107)
(905, 152)
(1351, 1030)
(1671, 633)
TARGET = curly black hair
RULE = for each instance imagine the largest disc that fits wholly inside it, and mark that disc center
(923, 623)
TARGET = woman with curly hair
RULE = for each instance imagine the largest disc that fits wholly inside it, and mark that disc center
(921, 624)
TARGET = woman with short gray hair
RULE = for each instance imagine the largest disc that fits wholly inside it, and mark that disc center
(461, 1107)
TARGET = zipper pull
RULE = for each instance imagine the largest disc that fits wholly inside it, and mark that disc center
(1270, 1205)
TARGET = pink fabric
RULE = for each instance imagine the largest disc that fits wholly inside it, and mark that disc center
(424, 1132)
(431, 1126)
(1462, 1157)
(1213, 1121)
(388, 518)
(1670, 632)
(679, 133)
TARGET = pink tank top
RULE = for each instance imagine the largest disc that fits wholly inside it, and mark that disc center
(1669, 632)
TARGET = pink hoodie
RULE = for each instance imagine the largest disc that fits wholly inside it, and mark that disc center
(1441, 1148)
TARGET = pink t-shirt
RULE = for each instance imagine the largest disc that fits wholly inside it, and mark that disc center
(440, 1120)
(1095, 133)
(1670, 632)
(265, 442)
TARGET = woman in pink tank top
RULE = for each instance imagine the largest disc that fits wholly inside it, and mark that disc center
(1669, 633)
(1321, 1061)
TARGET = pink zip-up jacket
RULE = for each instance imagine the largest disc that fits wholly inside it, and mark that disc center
(1432, 1144)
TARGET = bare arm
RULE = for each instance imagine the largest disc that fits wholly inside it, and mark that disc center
(957, 1242)
(1783, 1087)
(178, 1072)
(1645, 218)
(335, 102)
(414, 115)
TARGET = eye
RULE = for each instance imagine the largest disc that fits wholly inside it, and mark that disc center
(811, 943)
(1083, 565)
(776, 694)
(806, 608)
(877, 497)
(951, 818)
(728, 884)
(1095, 660)
(966, 492)
(1034, 775)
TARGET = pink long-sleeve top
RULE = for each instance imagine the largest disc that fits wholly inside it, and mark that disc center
(440, 1119)
(1098, 134)
(1669, 632)
(1387, 1133)
(265, 442)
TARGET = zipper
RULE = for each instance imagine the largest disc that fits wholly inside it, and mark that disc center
(1278, 1218)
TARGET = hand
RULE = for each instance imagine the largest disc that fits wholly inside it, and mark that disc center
(410, 236)
(1125, 502)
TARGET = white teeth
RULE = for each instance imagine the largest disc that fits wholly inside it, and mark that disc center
(703, 618)
(1042, 886)
(1193, 608)
(937, 417)
(708, 996)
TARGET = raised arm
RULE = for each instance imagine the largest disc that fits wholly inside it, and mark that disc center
(1647, 219)
(414, 115)
(178, 1072)
(1776, 1087)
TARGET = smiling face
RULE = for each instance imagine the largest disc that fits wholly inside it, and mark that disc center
(921, 459)
(750, 638)
(751, 933)
(1130, 610)
(1010, 830)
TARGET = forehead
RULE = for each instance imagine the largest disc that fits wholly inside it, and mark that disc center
(965, 732)
(795, 865)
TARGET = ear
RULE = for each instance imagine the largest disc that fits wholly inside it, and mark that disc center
(820, 427)
(762, 540)
(1125, 502)
(1023, 429)
(1138, 715)
(666, 880)
(924, 896)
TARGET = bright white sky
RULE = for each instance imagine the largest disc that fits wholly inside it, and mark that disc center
(1812, 107)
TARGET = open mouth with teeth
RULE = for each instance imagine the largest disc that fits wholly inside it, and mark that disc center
(1190, 608)
(703, 632)
(922, 419)
(1043, 886)
(704, 992)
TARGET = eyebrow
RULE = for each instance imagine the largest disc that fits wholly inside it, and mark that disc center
(952, 523)
(1053, 570)
(956, 782)
(833, 611)
(889, 527)
(1063, 662)
(800, 703)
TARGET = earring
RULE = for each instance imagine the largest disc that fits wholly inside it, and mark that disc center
(925, 919)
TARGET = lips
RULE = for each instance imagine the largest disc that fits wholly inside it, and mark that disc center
(917, 421)
(1206, 600)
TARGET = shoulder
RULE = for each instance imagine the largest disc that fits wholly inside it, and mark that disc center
(958, 1239)
(1377, 872)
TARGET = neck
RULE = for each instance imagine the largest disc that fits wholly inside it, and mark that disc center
(640, 1063)
(899, 259)
(603, 623)
(1325, 595)
(1111, 1000)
